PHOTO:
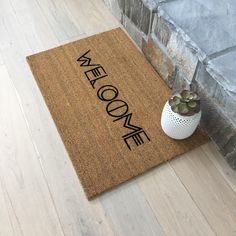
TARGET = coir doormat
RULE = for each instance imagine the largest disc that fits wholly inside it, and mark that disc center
(106, 101)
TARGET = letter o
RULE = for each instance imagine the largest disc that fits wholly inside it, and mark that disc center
(107, 93)
(117, 108)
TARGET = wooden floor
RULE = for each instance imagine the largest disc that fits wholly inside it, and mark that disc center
(40, 193)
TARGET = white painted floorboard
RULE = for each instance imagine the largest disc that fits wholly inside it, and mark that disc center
(22, 180)
(40, 193)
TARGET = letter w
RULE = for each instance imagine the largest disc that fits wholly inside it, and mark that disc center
(86, 60)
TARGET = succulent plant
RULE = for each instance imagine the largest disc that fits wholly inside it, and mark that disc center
(185, 103)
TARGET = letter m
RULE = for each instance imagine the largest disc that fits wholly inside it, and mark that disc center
(127, 122)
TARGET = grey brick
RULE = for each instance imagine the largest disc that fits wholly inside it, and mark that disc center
(121, 5)
(141, 13)
(159, 58)
(219, 87)
(133, 31)
(218, 127)
(181, 49)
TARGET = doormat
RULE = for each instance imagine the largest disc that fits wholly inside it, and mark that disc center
(106, 101)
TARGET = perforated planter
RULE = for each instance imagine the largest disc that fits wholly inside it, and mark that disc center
(177, 126)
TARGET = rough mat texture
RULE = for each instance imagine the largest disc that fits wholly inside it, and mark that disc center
(107, 105)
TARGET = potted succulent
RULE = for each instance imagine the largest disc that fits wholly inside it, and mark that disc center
(181, 114)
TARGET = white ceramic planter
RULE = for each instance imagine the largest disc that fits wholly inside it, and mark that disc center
(177, 126)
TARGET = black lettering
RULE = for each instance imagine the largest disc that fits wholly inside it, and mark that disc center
(107, 93)
(136, 137)
(86, 60)
(117, 108)
(127, 122)
(95, 74)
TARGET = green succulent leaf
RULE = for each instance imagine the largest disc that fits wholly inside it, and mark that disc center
(183, 108)
(174, 101)
(175, 108)
(191, 96)
(192, 104)
(186, 103)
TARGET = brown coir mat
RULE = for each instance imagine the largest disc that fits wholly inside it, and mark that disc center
(106, 101)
